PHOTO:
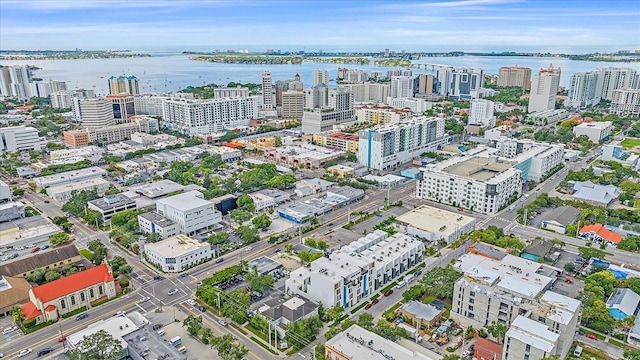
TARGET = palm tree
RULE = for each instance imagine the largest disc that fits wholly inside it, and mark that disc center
(18, 314)
(288, 249)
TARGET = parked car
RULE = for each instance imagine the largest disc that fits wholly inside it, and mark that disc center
(172, 292)
(24, 352)
(184, 275)
(9, 330)
(223, 322)
(44, 247)
(592, 336)
(219, 260)
(121, 312)
(156, 327)
(369, 305)
(418, 273)
(375, 301)
(388, 292)
(81, 316)
(35, 249)
(191, 302)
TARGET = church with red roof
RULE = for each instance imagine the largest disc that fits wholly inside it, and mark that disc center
(50, 301)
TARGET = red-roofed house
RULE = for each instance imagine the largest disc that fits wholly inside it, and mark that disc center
(487, 350)
(597, 232)
(51, 300)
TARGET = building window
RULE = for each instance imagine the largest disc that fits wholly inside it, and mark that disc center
(472, 293)
(91, 293)
(470, 301)
(100, 290)
(62, 304)
(82, 297)
(73, 300)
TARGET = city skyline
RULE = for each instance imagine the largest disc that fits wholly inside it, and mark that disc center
(448, 25)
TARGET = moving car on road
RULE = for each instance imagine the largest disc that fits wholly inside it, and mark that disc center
(25, 352)
(172, 292)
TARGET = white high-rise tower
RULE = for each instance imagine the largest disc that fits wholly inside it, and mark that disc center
(267, 90)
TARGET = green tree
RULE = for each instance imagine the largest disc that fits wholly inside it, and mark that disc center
(365, 320)
(278, 140)
(414, 293)
(589, 253)
(303, 332)
(228, 348)
(570, 267)
(440, 281)
(497, 330)
(100, 345)
(218, 238)
(288, 249)
(393, 333)
(124, 283)
(58, 239)
(37, 276)
(235, 305)
(631, 354)
(258, 282)
(334, 313)
(240, 216)
(18, 192)
(261, 221)
(245, 202)
(51, 275)
(78, 201)
(193, 324)
(248, 234)
(99, 251)
(17, 314)
(451, 357)
(281, 181)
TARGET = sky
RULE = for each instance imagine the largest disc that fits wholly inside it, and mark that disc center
(557, 26)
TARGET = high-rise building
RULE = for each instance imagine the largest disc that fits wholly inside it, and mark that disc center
(93, 112)
(583, 90)
(287, 85)
(387, 146)
(626, 102)
(405, 72)
(16, 81)
(64, 98)
(339, 109)
(316, 97)
(151, 104)
(514, 76)
(267, 90)
(225, 92)
(193, 117)
(292, 104)
(612, 79)
(460, 83)
(544, 88)
(368, 92)
(123, 107)
(401, 87)
(352, 76)
(56, 85)
(424, 84)
(482, 113)
(320, 77)
(41, 89)
(124, 84)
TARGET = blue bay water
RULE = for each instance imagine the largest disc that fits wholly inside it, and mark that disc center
(174, 71)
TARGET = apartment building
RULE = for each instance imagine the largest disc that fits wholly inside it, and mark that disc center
(225, 92)
(124, 84)
(151, 104)
(63, 99)
(352, 76)
(544, 88)
(514, 76)
(375, 114)
(583, 90)
(19, 138)
(482, 113)
(267, 90)
(357, 270)
(401, 87)
(508, 290)
(612, 79)
(477, 181)
(534, 160)
(93, 112)
(386, 146)
(368, 92)
(418, 106)
(337, 139)
(529, 339)
(193, 117)
(626, 102)
(123, 107)
(321, 77)
(16, 81)
(595, 131)
(460, 83)
(189, 210)
(292, 104)
(339, 110)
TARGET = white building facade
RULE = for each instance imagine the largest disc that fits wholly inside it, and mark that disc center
(177, 253)
(18, 138)
(544, 88)
(626, 102)
(193, 117)
(583, 90)
(190, 211)
(595, 131)
(482, 113)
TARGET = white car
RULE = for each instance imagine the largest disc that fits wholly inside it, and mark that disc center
(9, 330)
(20, 248)
(191, 302)
(25, 352)
(121, 312)
(172, 292)
(30, 246)
(248, 248)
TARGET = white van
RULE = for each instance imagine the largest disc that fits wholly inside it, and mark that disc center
(161, 332)
(182, 350)
(401, 284)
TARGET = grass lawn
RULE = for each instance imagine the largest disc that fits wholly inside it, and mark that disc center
(389, 287)
(87, 254)
(629, 143)
(617, 343)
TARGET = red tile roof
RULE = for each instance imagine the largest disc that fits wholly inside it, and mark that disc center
(73, 283)
(50, 308)
(30, 310)
(602, 232)
(487, 350)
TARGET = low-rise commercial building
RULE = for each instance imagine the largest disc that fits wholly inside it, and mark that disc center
(358, 343)
(48, 181)
(334, 139)
(434, 224)
(111, 205)
(177, 253)
(190, 211)
(301, 211)
(18, 138)
(269, 198)
(420, 315)
(154, 223)
(595, 131)
(305, 155)
(623, 303)
(52, 259)
(13, 291)
(63, 193)
(594, 194)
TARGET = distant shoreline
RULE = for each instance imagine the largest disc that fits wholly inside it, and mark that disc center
(67, 55)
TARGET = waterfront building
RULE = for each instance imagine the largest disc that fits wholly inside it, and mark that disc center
(321, 77)
(194, 117)
(544, 88)
(514, 76)
(63, 99)
(368, 92)
(123, 84)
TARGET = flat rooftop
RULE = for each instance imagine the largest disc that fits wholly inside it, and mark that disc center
(157, 189)
(265, 265)
(185, 201)
(480, 168)
(112, 201)
(116, 326)
(146, 340)
(433, 220)
(156, 218)
(69, 176)
(176, 246)
(78, 185)
(358, 343)
(533, 333)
